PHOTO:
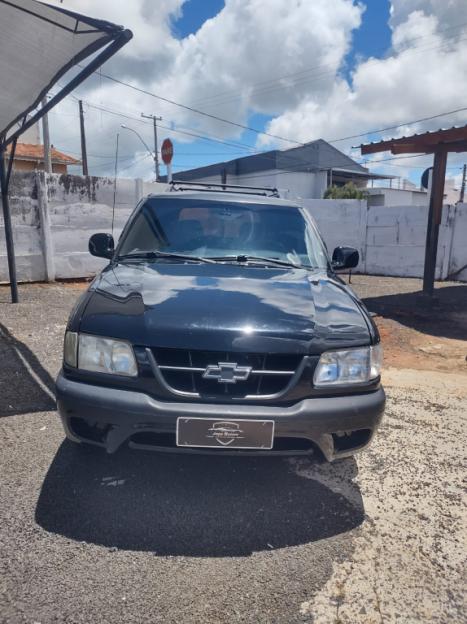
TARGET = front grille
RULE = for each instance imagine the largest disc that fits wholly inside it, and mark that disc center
(182, 370)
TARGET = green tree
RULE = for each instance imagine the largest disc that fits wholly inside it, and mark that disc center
(348, 191)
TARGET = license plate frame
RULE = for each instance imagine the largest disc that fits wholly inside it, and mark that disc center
(225, 433)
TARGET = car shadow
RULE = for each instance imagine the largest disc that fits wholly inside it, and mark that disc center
(444, 316)
(25, 385)
(189, 505)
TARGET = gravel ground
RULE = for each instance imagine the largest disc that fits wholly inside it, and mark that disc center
(142, 537)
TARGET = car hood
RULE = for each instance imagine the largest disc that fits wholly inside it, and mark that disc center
(225, 307)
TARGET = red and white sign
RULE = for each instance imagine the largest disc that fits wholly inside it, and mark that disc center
(167, 151)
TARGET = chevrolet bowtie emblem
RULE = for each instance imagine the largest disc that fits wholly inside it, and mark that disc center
(227, 372)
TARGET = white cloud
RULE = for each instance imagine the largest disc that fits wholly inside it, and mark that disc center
(425, 73)
(233, 66)
(448, 12)
(240, 53)
(411, 83)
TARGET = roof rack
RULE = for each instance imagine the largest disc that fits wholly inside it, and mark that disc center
(265, 191)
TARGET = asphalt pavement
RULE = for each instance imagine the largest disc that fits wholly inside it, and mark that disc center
(145, 537)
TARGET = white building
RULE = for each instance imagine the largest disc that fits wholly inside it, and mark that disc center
(408, 194)
(304, 171)
(382, 196)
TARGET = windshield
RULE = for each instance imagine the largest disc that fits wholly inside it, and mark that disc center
(207, 229)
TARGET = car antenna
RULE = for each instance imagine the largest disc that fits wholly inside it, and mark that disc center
(115, 184)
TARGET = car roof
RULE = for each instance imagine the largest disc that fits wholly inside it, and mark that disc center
(225, 196)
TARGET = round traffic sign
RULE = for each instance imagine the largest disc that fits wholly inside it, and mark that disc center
(426, 177)
(167, 151)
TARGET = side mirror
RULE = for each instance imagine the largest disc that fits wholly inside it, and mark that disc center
(345, 258)
(101, 245)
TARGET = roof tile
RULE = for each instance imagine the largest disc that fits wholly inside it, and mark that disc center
(29, 151)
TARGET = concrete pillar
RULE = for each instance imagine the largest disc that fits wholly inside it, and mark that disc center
(45, 227)
(138, 189)
(364, 209)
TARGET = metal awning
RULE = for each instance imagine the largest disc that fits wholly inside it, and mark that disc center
(349, 173)
(451, 140)
(39, 44)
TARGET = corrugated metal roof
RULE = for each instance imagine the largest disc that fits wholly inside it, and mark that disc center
(430, 137)
(314, 156)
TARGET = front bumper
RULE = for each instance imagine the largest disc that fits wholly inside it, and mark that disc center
(339, 425)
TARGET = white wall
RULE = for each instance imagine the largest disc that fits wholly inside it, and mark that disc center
(54, 216)
(396, 197)
(458, 250)
(391, 239)
(339, 221)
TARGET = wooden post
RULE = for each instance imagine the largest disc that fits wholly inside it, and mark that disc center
(84, 154)
(434, 219)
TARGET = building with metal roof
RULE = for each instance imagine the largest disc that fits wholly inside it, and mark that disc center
(305, 171)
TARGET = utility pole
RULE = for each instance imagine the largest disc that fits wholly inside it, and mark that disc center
(464, 176)
(84, 156)
(156, 146)
(45, 132)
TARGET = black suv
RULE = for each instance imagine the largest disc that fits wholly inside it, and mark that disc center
(220, 325)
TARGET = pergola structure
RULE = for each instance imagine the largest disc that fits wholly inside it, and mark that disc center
(39, 44)
(438, 143)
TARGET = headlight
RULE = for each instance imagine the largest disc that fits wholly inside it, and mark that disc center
(101, 355)
(104, 355)
(348, 367)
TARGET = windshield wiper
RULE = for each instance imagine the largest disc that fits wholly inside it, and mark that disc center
(260, 259)
(154, 255)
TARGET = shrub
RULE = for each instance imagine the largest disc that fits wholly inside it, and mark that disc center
(348, 191)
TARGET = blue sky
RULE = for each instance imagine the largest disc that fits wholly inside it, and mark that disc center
(372, 39)
(195, 13)
(274, 56)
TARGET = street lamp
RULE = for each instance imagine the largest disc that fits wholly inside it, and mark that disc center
(153, 155)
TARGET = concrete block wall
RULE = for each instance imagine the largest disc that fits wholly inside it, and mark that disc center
(457, 262)
(340, 222)
(26, 230)
(391, 239)
(54, 215)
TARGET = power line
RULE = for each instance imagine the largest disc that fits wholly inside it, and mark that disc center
(407, 123)
(215, 117)
(354, 136)
(265, 154)
(198, 112)
(370, 162)
(135, 162)
(251, 147)
(168, 128)
(300, 166)
(329, 65)
(308, 77)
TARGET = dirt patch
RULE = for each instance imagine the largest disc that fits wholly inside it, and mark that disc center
(406, 347)
(418, 332)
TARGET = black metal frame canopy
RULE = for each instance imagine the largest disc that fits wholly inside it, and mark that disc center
(439, 143)
(86, 37)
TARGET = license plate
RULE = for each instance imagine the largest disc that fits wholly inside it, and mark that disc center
(225, 433)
